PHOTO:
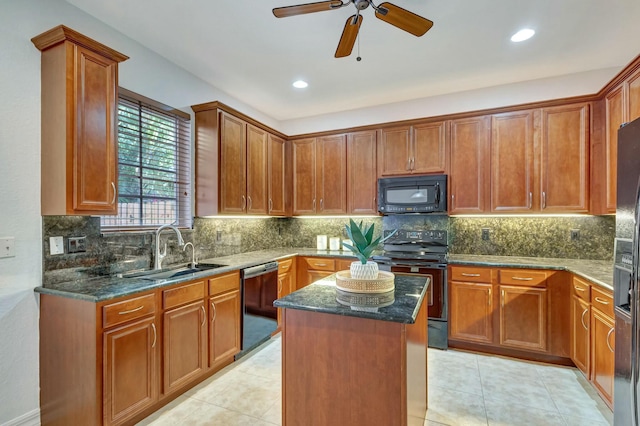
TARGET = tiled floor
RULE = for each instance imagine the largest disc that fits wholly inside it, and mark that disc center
(464, 389)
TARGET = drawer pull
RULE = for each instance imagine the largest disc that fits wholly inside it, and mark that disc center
(609, 335)
(522, 278)
(582, 319)
(155, 335)
(279, 288)
(213, 306)
(139, 308)
(204, 316)
(600, 300)
(465, 274)
(578, 288)
(321, 264)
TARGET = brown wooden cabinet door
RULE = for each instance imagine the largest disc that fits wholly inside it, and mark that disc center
(331, 175)
(304, 176)
(430, 148)
(615, 116)
(471, 312)
(362, 175)
(602, 353)
(185, 345)
(95, 147)
(257, 183)
(284, 288)
(233, 164)
(580, 347)
(277, 176)
(131, 374)
(224, 331)
(633, 95)
(523, 317)
(394, 151)
(512, 153)
(470, 172)
(564, 171)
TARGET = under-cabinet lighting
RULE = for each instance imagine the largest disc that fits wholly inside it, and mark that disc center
(525, 215)
(337, 217)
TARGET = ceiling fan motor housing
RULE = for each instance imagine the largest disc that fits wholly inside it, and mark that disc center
(361, 4)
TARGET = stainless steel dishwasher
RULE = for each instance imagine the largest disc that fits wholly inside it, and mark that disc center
(259, 316)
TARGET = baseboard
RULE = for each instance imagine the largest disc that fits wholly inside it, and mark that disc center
(32, 418)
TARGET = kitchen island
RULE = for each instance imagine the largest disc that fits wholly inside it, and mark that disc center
(350, 362)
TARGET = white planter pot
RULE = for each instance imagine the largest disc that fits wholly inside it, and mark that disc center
(368, 271)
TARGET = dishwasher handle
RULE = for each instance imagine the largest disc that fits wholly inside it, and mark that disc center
(255, 271)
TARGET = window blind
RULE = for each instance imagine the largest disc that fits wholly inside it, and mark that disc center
(154, 167)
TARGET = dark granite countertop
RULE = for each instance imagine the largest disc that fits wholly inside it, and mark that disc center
(105, 288)
(321, 297)
(597, 271)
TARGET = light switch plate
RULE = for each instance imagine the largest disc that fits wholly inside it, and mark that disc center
(7, 247)
(56, 245)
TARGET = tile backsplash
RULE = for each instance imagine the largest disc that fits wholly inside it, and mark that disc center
(109, 253)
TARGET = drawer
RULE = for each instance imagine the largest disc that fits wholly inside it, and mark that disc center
(320, 264)
(345, 264)
(224, 283)
(126, 310)
(602, 300)
(471, 273)
(284, 266)
(184, 294)
(581, 288)
(523, 277)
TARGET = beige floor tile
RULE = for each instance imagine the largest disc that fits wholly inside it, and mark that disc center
(502, 413)
(456, 408)
(582, 421)
(274, 414)
(460, 378)
(517, 391)
(212, 415)
(175, 412)
(491, 366)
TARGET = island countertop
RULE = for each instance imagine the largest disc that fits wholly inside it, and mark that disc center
(320, 297)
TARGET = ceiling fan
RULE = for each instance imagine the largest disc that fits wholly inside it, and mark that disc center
(390, 13)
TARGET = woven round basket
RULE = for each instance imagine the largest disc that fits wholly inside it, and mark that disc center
(365, 301)
(383, 283)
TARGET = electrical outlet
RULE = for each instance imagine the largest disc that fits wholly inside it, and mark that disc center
(485, 234)
(56, 245)
(6, 247)
(218, 235)
(575, 234)
(77, 244)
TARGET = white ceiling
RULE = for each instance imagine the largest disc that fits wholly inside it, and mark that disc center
(239, 47)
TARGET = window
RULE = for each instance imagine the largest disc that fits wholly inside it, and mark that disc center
(154, 165)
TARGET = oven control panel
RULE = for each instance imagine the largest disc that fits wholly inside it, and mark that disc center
(419, 236)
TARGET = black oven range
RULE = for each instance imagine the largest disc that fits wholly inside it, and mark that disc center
(422, 252)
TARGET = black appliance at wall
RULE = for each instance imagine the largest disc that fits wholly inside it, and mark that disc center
(259, 316)
(412, 194)
(626, 282)
(425, 253)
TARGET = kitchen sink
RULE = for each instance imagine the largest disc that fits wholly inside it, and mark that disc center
(165, 274)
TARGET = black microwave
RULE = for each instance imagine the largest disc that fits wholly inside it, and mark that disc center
(412, 194)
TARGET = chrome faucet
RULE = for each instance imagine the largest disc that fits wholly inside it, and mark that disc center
(193, 254)
(159, 256)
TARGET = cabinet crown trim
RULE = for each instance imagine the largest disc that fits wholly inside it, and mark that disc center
(62, 33)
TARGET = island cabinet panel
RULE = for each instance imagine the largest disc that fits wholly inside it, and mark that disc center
(130, 370)
(471, 311)
(304, 176)
(512, 162)
(79, 118)
(277, 176)
(523, 317)
(362, 184)
(331, 175)
(469, 181)
(564, 172)
(394, 151)
(233, 164)
(257, 182)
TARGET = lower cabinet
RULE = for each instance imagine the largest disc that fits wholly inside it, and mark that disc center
(310, 269)
(580, 334)
(471, 312)
(523, 317)
(602, 352)
(224, 332)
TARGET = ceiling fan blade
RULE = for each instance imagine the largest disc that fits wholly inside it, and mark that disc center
(300, 9)
(349, 35)
(403, 19)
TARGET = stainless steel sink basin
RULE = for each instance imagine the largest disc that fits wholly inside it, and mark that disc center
(172, 273)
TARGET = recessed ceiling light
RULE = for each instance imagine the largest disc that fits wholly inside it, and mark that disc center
(522, 35)
(300, 84)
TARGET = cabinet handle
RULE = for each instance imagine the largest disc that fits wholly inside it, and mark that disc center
(578, 288)
(600, 300)
(113, 185)
(522, 278)
(279, 286)
(502, 298)
(270, 205)
(489, 297)
(314, 204)
(244, 202)
(452, 200)
(544, 200)
(408, 163)
(466, 274)
(321, 204)
(250, 203)
(321, 264)
(582, 319)
(155, 335)
(131, 310)
(413, 163)
(530, 200)
(215, 312)
(204, 316)
(609, 335)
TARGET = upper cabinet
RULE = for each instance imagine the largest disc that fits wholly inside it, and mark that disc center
(415, 149)
(362, 184)
(241, 168)
(79, 124)
(320, 175)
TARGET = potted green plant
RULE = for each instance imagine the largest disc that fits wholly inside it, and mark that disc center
(363, 246)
